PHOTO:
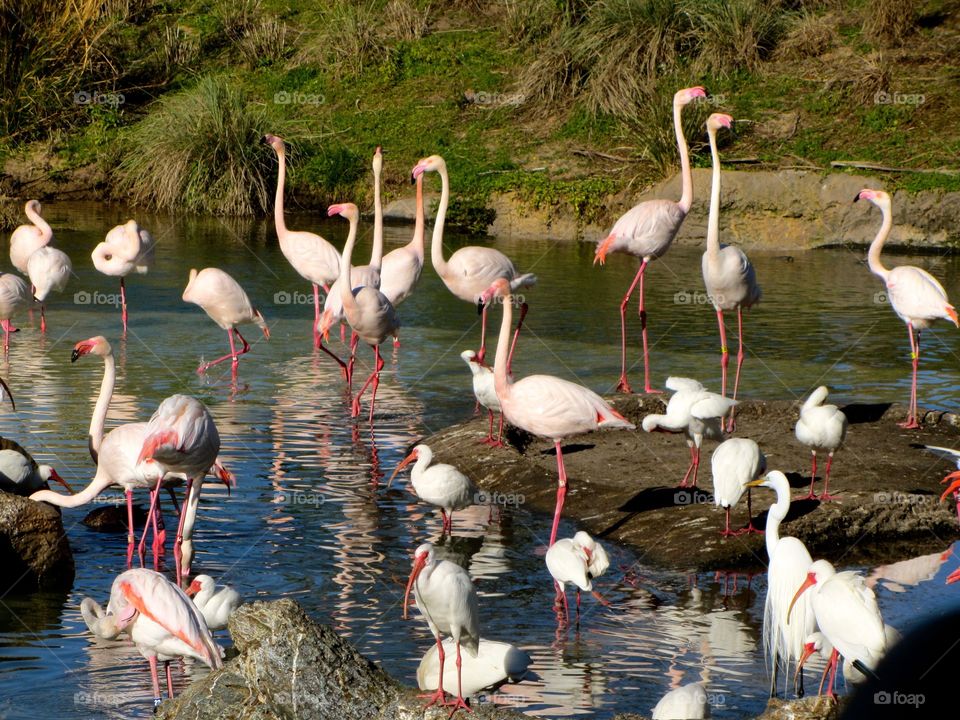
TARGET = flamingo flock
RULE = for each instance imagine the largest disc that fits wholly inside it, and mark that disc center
(809, 606)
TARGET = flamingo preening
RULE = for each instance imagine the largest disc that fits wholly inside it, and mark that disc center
(14, 297)
(27, 239)
(49, 269)
(647, 230)
(126, 248)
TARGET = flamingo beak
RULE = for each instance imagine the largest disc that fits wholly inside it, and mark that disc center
(225, 476)
(334, 210)
(55, 476)
(6, 390)
(418, 564)
(603, 248)
(80, 349)
(810, 581)
(403, 463)
(192, 589)
(419, 169)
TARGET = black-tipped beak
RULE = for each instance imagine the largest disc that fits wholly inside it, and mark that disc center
(480, 305)
(75, 355)
(856, 197)
(413, 179)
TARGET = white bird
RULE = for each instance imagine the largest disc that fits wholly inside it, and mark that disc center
(915, 295)
(441, 485)
(216, 605)
(401, 268)
(787, 568)
(27, 239)
(49, 269)
(694, 411)
(126, 248)
(729, 277)
(496, 663)
(735, 463)
(20, 474)
(577, 560)
(485, 393)
(14, 297)
(447, 599)
(817, 643)
(687, 702)
(821, 427)
(847, 614)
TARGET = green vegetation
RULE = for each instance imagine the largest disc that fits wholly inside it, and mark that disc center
(564, 103)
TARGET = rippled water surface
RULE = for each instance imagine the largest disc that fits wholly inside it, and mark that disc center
(310, 519)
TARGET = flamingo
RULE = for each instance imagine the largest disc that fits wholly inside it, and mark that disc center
(496, 662)
(402, 266)
(729, 277)
(545, 405)
(687, 702)
(647, 230)
(447, 599)
(222, 298)
(470, 271)
(27, 239)
(441, 484)
(161, 621)
(915, 295)
(367, 310)
(127, 248)
(314, 258)
(953, 479)
(694, 411)
(847, 614)
(784, 634)
(48, 269)
(735, 463)
(577, 560)
(215, 605)
(14, 296)
(821, 427)
(21, 475)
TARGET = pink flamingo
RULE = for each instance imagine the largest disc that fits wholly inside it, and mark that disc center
(49, 269)
(314, 258)
(647, 230)
(14, 297)
(367, 310)
(729, 277)
(915, 295)
(27, 239)
(470, 270)
(402, 266)
(544, 405)
(161, 620)
(126, 248)
(222, 298)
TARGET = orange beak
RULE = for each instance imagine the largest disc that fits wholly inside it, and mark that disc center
(55, 476)
(953, 577)
(403, 463)
(954, 487)
(193, 589)
(603, 248)
(809, 582)
(418, 564)
(808, 650)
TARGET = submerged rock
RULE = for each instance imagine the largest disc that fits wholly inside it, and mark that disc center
(34, 552)
(113, 518)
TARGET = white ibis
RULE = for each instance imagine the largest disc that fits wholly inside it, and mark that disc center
(439, 484)
(821, 427)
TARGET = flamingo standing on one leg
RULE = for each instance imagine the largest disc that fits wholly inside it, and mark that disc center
(447, 599)
(735, 463)
(647, 230)
(27, 239)
(471, 270)
(915, 295)
(545, 405)
(727, 273)
(314, 258)
(222, 298)
(367, 310)
(821, 427)
(49, 269)
(14, 297)
(126, 248)
(440, 484)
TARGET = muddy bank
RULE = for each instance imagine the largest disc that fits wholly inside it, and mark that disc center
(623, 486)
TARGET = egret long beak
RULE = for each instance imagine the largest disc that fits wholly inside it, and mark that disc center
(403, 463)
(418, 564)
(755, 483)
(809, 582)
(55, 476)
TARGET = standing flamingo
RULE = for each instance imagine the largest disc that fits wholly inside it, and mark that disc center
(441, 485)
(14, 297)
(367, 310)
(735, 463)
(447, 599)
(647, 230)
(821, 427)
(915, 295)
(402, 266)
(126, 248)
(577, 560)
(222, 298)
(471, 270)
(27, 239)
(314, 258)
(49, 269)
(161, 621)
(727, 273)
(545, 405)
(694, 411)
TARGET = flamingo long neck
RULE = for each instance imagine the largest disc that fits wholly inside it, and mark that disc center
(873, 256)
(100, 482)
(99, 417)
(436, 247)
(418, 228)
(376, 257)
(776, 514)
(501, 381)
(346, 292)
(278, 201)
(713, 223)
(686, 196)
(38, 220)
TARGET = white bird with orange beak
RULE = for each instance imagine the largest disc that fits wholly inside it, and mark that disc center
(216, 604)
(577, 560)
(438, 484)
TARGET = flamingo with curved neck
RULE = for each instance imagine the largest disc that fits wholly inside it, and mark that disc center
(647, 231)
(27, 239)
(915, 295)
(127, 248)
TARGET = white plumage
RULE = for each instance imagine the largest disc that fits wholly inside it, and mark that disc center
(577, 560)
(687, 702)
(215, 604)
(495, 663)
(440, 484)
(821, 428)
(735, 463)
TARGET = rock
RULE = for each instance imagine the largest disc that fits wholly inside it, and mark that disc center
(290, 666)
(113, 518)
(34, 552)
(808, 708)
(406, 208)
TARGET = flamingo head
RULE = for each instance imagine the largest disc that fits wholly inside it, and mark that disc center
(877, 197)
(378, 160)
(97, 345)
(414, 455)
(421, 558)
(344, 210)
(32, 206)
(719, 120)
(469, 357)
(224, 475)
(429, 164)
(47, 473)
(274, 141)
(687, 95)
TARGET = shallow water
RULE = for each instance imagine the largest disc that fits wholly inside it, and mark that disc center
(309, 519)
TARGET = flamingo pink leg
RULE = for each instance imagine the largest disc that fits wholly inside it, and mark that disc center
(177, 552)
(316, 313)
(233, 354)
(825, 496)
(157, 698)
(43, 318)
(643, 331)
(169, 680)
(561, 493)
(375, 379)
(732, 425)
(724, 354)
(911, 421)
(437, 696)
(354, 341)
(624, 386)
(123, 305)
(130, 538)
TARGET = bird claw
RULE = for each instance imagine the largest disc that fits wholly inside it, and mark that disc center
(437, 696)
(457, 704)
(909, 424)
(827, 497)
(652, 391)
(624, 387)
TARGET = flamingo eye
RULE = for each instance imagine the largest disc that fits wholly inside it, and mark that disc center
(108, 257)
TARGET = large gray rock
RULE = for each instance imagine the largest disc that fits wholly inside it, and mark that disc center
(34, 552)
(292, 667)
